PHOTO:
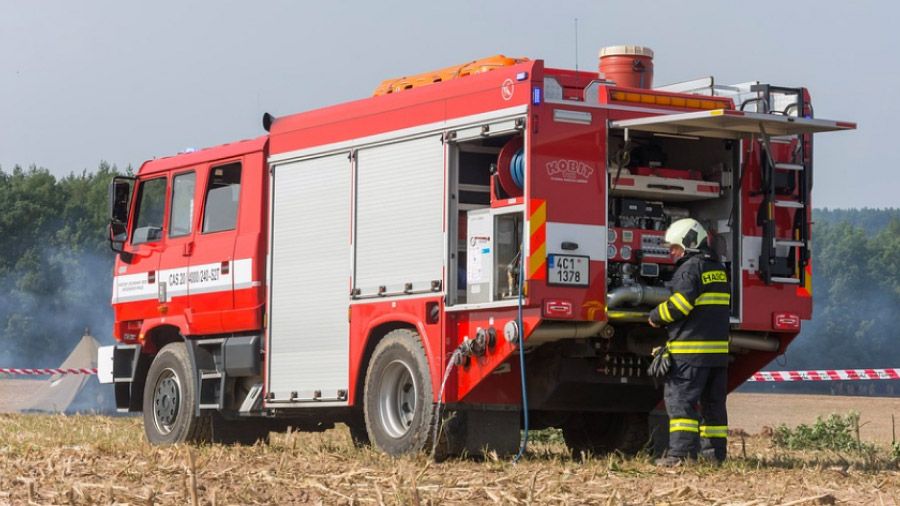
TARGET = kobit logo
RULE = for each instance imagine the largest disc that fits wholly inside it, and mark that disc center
(569, 171)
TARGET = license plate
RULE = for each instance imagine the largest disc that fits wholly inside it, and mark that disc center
(569, 270)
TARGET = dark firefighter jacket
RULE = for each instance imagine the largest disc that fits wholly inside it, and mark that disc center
(697, 314)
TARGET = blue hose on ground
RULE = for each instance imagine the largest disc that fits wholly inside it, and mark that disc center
(524, 442)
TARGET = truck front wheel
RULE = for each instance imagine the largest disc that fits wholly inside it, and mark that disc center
(398, 395)
(170, 399)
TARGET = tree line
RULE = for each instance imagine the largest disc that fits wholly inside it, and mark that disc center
(56, 275)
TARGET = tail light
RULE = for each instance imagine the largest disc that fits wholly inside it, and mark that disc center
(785, 321)
(558, 308)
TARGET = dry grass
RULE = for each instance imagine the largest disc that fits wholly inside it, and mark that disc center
(99, 460)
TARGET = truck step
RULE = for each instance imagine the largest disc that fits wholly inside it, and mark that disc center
(789, 203)
(786, 281)
(789, 243)
(252, 401)
(789, 166)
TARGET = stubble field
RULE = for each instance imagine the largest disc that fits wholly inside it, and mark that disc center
(54, 459)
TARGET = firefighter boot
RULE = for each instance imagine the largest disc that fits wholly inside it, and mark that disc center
(671, 461)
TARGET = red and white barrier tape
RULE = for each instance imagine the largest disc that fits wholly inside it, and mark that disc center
(826, 375)
(46, 372)
(760, 377)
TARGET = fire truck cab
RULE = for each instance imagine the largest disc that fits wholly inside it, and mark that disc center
(487, 237)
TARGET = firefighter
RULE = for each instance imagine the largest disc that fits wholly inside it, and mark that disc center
(696, 317)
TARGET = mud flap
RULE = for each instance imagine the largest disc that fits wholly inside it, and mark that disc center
(120, 365)
(473, 432)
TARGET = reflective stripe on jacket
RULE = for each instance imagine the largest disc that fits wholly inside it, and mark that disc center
(697, 313)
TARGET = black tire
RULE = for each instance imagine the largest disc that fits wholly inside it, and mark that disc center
(602, 433)
(398, 399)
(170, 399)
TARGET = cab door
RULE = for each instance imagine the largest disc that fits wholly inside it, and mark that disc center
(136, 290)
(210, 275)
(179, 241)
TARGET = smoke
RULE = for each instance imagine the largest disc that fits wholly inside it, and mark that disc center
(856, 298)
(45, 309)
(49, 301)
(55, 265)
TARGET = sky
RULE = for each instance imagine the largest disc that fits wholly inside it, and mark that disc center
(90, 81)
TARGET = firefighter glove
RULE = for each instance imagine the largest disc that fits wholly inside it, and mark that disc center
(662, 362)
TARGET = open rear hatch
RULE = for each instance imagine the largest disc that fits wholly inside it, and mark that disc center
(730, 124)
(780, 259)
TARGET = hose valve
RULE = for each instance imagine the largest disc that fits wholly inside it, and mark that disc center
(511, 332)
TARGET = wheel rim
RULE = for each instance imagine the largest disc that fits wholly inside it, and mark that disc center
(166, 401)
(397, 399)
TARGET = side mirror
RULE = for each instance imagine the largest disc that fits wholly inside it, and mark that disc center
(119, 200)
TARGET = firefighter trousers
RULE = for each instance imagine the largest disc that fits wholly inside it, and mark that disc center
(686, 386)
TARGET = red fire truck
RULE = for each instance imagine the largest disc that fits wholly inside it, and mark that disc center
(488, 237)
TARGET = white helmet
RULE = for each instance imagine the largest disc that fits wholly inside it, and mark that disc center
(687, 233)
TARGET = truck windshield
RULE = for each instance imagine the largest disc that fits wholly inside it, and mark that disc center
(151, 203)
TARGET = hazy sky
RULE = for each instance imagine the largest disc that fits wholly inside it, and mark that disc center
(85, 81)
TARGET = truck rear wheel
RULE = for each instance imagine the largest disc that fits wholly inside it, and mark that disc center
(398, 398)
(170, 399)
(602, 433)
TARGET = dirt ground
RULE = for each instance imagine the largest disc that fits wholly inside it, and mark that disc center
(55, 459)
(753, 412)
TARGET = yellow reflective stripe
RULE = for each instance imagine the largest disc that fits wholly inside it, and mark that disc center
(713, 299)
(690, 351)
(697, 344)
(693, 351)
(711, 431)
(678, 347)
(684, 424)
(678, 303)
(664, 313)
(682, 298)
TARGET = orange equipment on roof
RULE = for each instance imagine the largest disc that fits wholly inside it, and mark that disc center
(445, 74)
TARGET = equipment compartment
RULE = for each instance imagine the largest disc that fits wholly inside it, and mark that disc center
(655, 180)
(667, 188)
(668, 169)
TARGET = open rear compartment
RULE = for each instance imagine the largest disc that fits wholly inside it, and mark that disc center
(655, 180)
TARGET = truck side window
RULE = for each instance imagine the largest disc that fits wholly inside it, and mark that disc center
(151, 206)
(182, 218)
(221, 203)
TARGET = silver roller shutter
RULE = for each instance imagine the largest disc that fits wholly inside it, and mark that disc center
(399, 217)
(310, 271)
